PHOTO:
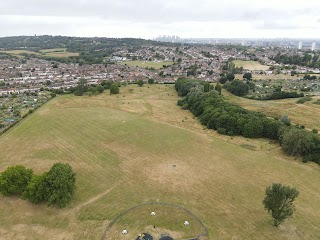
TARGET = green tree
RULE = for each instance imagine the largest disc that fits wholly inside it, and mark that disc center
(218, 88)
(14, 180)
(247, 76)
(140, 83)
(150, 80)
(296, 141)
(230, 76)
(59, 184)
(81, 88)
(114, 89)
(100, 88)
(35, 189)
(106, 84)
(279, 201)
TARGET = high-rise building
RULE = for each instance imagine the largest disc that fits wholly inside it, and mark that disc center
(300, 45)
(313, 46)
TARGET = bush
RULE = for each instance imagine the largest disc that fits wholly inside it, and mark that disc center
(303, 100)
(140, 83)
(14, 180)
(286, 120)
(237, 87)
(222, 131)
(313, 157)
(114, 89)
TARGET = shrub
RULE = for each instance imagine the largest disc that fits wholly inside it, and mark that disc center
(222, 131)
(114, 89)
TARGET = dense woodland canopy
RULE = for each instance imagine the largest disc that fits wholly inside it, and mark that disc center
(307, 59)
(216, 113)
(91, 50)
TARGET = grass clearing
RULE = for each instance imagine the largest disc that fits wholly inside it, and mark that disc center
(307, 114)
(53, 50)
(123, 148)
(56, 52)
(250, 65)
(267, 77)
(145, 64)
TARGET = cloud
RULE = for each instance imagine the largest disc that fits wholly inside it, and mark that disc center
(146, 17)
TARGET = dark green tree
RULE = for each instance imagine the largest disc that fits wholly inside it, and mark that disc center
(59, 184)
(140, 83)
(230, 76)
(35, 189)
(218, 88)
(150, 80)
(114, 89)
(247, 76)
(81, 88)
(106, 84)
(279, 201)
(14, 180)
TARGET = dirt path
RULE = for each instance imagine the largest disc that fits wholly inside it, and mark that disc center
(91, 200)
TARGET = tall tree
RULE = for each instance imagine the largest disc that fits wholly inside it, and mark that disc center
(296, 141)
(59, 184)
(279, 201)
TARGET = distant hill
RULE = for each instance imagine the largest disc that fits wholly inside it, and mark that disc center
(91, 50)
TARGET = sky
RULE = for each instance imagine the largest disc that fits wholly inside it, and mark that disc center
(149, 18)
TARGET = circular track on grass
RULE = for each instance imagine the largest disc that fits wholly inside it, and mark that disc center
(138, 219)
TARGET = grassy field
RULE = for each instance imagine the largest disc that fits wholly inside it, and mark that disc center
(56, 52)
(250, 65)
(267, 77)
(123, 148)
(18, 53)
(307, 114)
(145, 64)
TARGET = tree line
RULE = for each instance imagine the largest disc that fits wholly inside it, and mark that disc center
(307, 59)
(56, 187)
(242, 88)
(216, 113)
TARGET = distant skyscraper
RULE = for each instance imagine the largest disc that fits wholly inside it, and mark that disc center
(300, 45)
(243, 43)
(313, 46)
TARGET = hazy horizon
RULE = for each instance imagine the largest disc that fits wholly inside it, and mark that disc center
(149, 19)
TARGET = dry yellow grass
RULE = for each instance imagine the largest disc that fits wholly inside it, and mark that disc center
(307, 114)
(123, 148)
(267, 77)
(56, 52)
(250, 65)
